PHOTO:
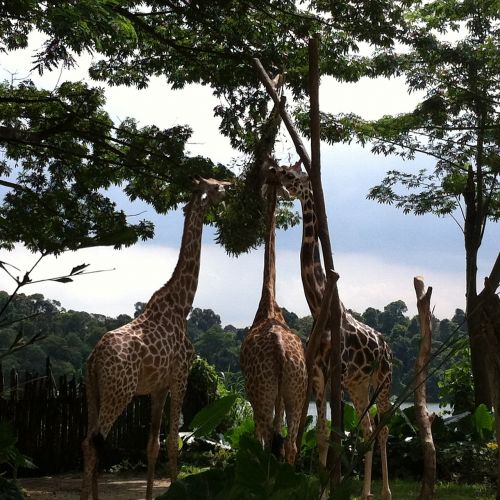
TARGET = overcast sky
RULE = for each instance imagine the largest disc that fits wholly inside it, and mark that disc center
(377, 249)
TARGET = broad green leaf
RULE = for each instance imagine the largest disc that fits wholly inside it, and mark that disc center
(483, 420)
(207, 419)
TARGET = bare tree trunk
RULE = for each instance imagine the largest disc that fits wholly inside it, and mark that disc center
(489, 305)
(314, 341)
(424, 420)
(320, 209)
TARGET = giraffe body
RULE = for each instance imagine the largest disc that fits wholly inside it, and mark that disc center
(150, 355)
(272, 360)
(366, 357)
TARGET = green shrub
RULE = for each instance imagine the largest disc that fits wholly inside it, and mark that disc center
(464, 451)
(254, 473)
(456, 386)
(9, 490)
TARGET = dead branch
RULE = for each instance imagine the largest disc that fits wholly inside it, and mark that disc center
(424, 420)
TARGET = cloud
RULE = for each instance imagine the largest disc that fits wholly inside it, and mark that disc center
(231, 287)
(369, 281)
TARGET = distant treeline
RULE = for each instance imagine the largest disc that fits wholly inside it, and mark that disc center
(69, 336)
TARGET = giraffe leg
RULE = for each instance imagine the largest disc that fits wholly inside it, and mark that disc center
(176, 399)
(157, 404)
(321, 427)
(361, 400)
(89, 451)
(263, 408)
(295, 395)
(292, 421)
(89, 478)
(263, 417)
(112, 402)
(279, 411)
(94, 440)
(383, 404)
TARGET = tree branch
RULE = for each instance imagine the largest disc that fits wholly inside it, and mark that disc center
(271, 90)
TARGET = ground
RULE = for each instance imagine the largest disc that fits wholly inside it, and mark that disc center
(111, 487)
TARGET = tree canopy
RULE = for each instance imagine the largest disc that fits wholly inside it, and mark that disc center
(62, 150)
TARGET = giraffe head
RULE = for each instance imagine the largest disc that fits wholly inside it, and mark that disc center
(211, 191)
(292, 181)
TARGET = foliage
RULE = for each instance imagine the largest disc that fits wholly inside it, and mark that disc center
(464, 451)
(444, 490)
(209, 417)
(245, 428)
(451, 53)
(255, 473)
(58, 139)
(67, 152)
(201, 320)
(220, 348)
(68, 336)
(9, 454)
(456, 384)
(9, 490)
(202, 388)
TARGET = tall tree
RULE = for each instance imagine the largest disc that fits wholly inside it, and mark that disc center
(453, 56)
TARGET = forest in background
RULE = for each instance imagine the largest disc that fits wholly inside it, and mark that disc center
(68, 336)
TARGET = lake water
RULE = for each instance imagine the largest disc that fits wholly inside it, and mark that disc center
(432, 408)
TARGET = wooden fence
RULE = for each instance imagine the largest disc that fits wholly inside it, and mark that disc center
(51, 419)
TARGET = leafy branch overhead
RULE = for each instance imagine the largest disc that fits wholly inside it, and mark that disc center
(456, 123)
(62, 151)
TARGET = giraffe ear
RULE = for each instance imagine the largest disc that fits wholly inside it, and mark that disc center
(198, 183)
(297, 167)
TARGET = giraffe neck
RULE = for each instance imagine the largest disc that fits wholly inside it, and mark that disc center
(181, 287)
(268, 308)
(313, 277)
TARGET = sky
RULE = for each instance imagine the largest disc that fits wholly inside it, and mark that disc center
(377, 249)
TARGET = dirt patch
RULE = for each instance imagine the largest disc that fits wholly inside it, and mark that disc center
(111, 487)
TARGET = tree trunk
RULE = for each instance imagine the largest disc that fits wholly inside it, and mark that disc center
(424, 420)
(335, 317)
(489, 305)
(478, 344)
(473, 232)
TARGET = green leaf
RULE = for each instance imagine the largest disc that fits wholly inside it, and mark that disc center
(79, 269)
(62, 280)
(350, 418)
(483, 420)
(201, 486)
(7, 435)
(208, 418)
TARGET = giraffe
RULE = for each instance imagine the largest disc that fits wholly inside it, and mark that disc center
(272, 358)
(366, 357)
(150, 355)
